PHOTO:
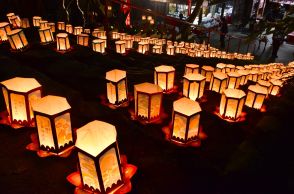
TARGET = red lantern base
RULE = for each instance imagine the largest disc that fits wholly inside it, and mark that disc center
(6, 120)
(128, 172)
(242, 118)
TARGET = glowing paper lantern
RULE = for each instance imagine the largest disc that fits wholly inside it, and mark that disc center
(265, 84)
(122, 36)
(137, 38)
(143, 47)
(69, 28)
(36, 21)
(98, 46)
(78, 30)
(206, 54)
(218, 82)
(129, 43)
(62, 42)
(99, 160)
(186, 117)
(220, 67)
(104, 38)
(61, 26)
(170, 50)
(52, 115)
(17, 39)
(9, 15)
(25, 23)
(120, 46)
(191, 53)
(253, 75)
(52, 26)
(156, 49)
(193, 86)
(255, 96)
(191, 68)
(244, 76)
(230, 68)
(149, 18)
(276, 86)
(183, 51)
(46, 35)
(87, 31)
(234, 80)
(83, 39)
(116, 86)
(177, 50)
(15, 21)
(164, 77)
(114, 35)
(4, 29)
(43, 24)
(148, 98)
(232, 102)
(19, 95)
(207, 72)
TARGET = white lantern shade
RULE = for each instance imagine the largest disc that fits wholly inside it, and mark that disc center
(78, 30)
(98, 45)
(207, 72)
(170, 50)
(43, 24)
(156, 49)
(191, 68)
(69, 28)
(83, 39)
(221, 67)
(17, 39)
(234, 80)
(36, 21)
(255, 96)
(120, 46)
(164, 77)
(143, 47)
(52, 26)
(62, 42)
(244, 76)
(193, 86)
(116, 86)
(46, 35)
(61, 26)
(219, 82)
(15, 21)
(276, 86)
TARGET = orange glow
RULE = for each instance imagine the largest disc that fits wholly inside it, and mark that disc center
(164, 77)
(120, 46)
(17, 39)
(62, 42)
(36, 21)
(83, 39)
(98, 45)
(46, 35)
(116, 86)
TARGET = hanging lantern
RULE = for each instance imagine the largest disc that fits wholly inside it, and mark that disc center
(193, 86)
(221, 67)
(116, 86)
(234, 80)
(83, 39)
(9, 15)
(87, 31)
(98, 46)
(186, 119)
(156, 49)
(230, 68)
(52, 115)
(36, 21)
(99, 160)
(191, 68)
(4, 29)
(19, 95)
(17, 39)
(69, 28)
(15, 21)
(276, 86)
(52, 26)
(62, 42)
(143, 47)
(25, 23)
(120, 46)
(207, 72)
(255, 96)
(61, 26)
(148, 98)
(164, 77)
(43, 24)
(232, 102)
(46, 35)
(170, 50)
(78, 30)
(218, 82)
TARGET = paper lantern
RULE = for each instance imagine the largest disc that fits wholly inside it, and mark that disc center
(99, 33)
(46, 35)
(25, 23)
(87, 31)
(244, 76)
(183, 51)
(169, 43)
(4, 29)
(104, 38)
(219, 82)
(255, 96)
(276, 86)
(170, 50)
(62, 42)
(193, 86)
(191, 53)
(43, 24)
(212, 54)
(265, 74)
(148, 98)
(253, 75)
(156, 49)
(122, 36)
(232, 102)
(177, 50)
(109, 7)
(265, 84)
(137, 38)
(52, 26)
(186, 117)
(69, 28)
(143, 17)
(207, 72)
(36, 21)
(9, 15)
(206, 54)
(191, 68)
(83, 39)
(234, 80)
(129, 43)
(98, 46)
(19, 95)
(145, 40)
(220, 67)
(114, 35)
(164, 77)
(61, 26)
(240, 68)
(17, 39)
(99, 160)
(52, 115)
(116, 86)
(78, 30)
(120, 46)
(15, 21)
(143, 47)
(230, 68)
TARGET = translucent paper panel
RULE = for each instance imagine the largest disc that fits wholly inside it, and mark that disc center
(3, 35)
(11, 43)
(62, 44)
(185, 87)
(240, 107)
(202, 85)
(63, 129)
(250, 99)
(232, 106)
(223, 86)
(188, 70)
(222, 104)
(208, 76)
(17, 41)
(155, 105)
(23, 38)
(179, 127)
(275, 90)
(161, 80)
(36, 95)
(171, 78)
(193, 126)
(259, 101)
(88, 171)
(48, 36)
(45, 131)
(111, 92)
(232, 82)
(109, 168)
(18, 107)
(6, 99)
(214, 85)
(122, 92)
(243, 80)
(193, 92)
(143, 105)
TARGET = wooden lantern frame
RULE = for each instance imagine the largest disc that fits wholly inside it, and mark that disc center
(191, 68)
(95, 44)
(167, 73)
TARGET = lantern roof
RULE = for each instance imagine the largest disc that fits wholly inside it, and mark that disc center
(240, 67)
(84, 35)
(37, 17)
(95, 137)
(62, 35)
(148, 88)
(170, 46)
(234, 74)
(192, 65)
(220, 75)
(253, 72)
(78, 27)
(164, 68)
(207, 68)
(142, 43)
(3, 24)
(68, 25)
(221, 65)
(115, 75)
(51, 105)
(194, 77)
(243, 72)
(186, 106)
(43, 21)
(120, 42)
(98, 41)
(20, 84)
(257, 89)
(230, 66)
(276, 82)
(234, 93)
(12, 32)
(264, 83)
